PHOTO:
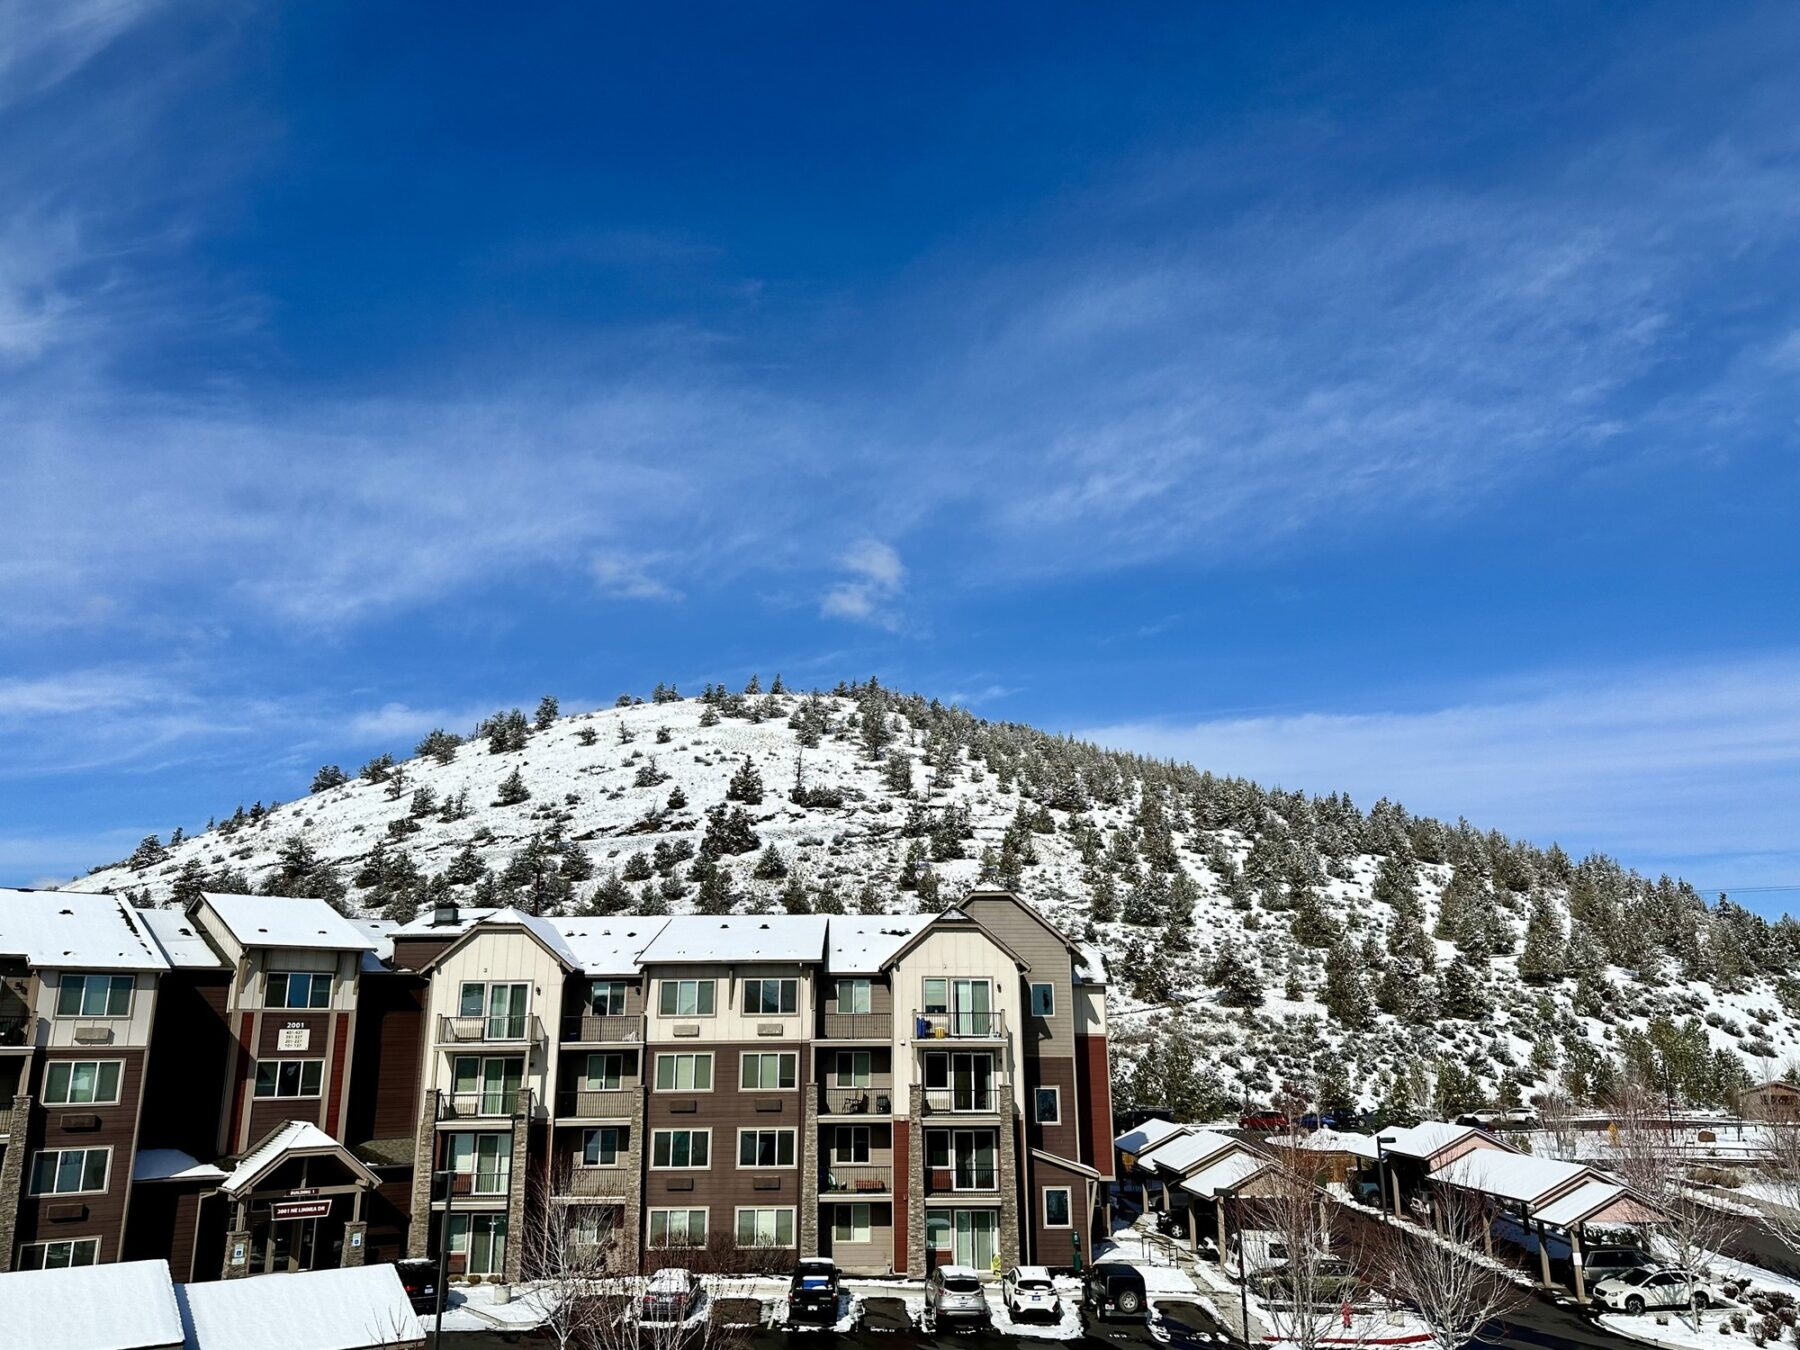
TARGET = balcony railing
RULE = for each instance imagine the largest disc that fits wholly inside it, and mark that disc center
(481, 1185)
(942, 1101)
(490, 1105)
(6, 1119)
(856, 1179)
(595, 1183)
(595, 1104)
(593, 1029)
(862, 1101)
(859, 1026)
(973, 1177)
(508, 1029)
(14, 1029)
(955, 1026)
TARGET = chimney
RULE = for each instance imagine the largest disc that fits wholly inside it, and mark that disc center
(443, 914)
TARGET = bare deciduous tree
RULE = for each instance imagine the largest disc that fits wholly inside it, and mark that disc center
(1780, 1181)
(1455, 1294)
(1308, 1299)
(1557, 1110)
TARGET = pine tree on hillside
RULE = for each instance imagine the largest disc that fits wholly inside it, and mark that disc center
(512, 790)
(665, 693)
(746, 785)
(1465, 997)
(651, 902)
(1346, 996)
(148, 853)
(1236, 980)
(328, 777)
(714, 894)
(677, 798)
(896, 773)
(439, 744)
(189, 883)
(1396, 885)
(728, 832)
(1541, 958)
(1103, 899)
(377, 769)
(794, 899)
(465, 868)
(1311, 926)
(611, 896)
(770, 865)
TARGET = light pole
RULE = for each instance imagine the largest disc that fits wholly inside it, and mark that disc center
(1237, 1203)
(1381, 1172)
(442, 1289)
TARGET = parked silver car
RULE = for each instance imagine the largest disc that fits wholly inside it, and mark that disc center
(954, 1294)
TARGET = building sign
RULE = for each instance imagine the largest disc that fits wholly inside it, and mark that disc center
(299, 1209)
(300, 1192)
(293, 1038)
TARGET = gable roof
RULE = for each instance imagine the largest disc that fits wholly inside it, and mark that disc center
(1147, 1135)
(181, 940)
(1031, 911)
(1511, 1176)
(72, 930)
(954, 915)
(286, 921)
(285, 1140)
(349, 1308)
(129, 1305)
(1080, 1169)
(1224, 1175)
(1184, 1152)
(863, 944)
(1431, 1137)
(607, 946)
(739, 937)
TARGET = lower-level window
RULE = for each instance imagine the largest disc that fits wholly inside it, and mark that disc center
(481, 1238)
(1056, 1207)
(677, 1228)
(59, 1255)
(82, 1082)
(69, 1171)
(600, 1147)
(851, 1223)
(592, 1225)
(289, 1077)
(765, 1228)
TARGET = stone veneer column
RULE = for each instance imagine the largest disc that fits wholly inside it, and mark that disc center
(632, 1239)
(915, 1183)
(355, 1253)
(12, 1176)
(515, 1194)
(1009, 1187)
(809, 1171)
(418, 1232)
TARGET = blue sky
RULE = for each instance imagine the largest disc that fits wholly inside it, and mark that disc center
(1396, 398)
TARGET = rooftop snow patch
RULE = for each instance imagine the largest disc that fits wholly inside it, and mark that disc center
(1147, 1135)
(180, 940)
(426, 924)
(125, 1306)
(345, 1309)
(1183, 1151)
(1428, 1137)
(742, 937)
(171, 1164)
(606, 946)
(1224, 1175)
(863, 944)
(1511, 1176)
(293, 1136)
(1339, 1141)
(288, 921)
(71, 931)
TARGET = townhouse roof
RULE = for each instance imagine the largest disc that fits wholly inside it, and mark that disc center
(381, 933)
(1511, 1176)
(348, 1308)
(72, 930)
(1338, 1141)
(606, 946)
(1597, 1201)
(1143, 1137)
(293, 1136)
(1182, 1152)
(955, 915)
(742, 937)
(1224, 1175)
(427, 924)
(1067, 1164)
(172, 1164)
(863, 944)
(180, 940)
(287, 921)
(129, 1305)
(1430, 1137)
(1090, 964)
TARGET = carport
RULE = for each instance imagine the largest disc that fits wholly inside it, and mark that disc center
(1604, 1202)
(1215, 1182)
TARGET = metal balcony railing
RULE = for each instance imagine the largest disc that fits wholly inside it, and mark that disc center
(595, 1029)
(595, 1183)
(14, 1028)
(942, 1101)
(858, 1026)
(6, 1119)
(494, 1104)
(486, 1184)
(595, 1104)
(962, 1176)
(953, 1026)
(862, 1101)
(509, 1029)
(856, 1179)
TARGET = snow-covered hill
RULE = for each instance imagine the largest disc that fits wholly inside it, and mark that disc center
(1262, 943)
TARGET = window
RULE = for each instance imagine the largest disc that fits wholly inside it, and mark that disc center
(684, 1073)
(604, 1073)
(850, 1144)
(94, 996)
(765, 1148)
(685, 998)
(600, 1147)
(853, 996)
(768, 1073)
(680, 1148)
(677, 1228)
(592, 1225)
(297, 989)
(765, 1228)
(1043, 1000)
(488, 1087)
(767, 997)
(289, 1077)
(1046, 1105)
(486, 1158)
(59, 1255)
(499, 1007)
(1056, 1207)
(481, 1240)
(937, 1148)
(854, 1068)
(606, 998)
(851, 1224)
(69, 1171)
(937, 996)
(82, 1082)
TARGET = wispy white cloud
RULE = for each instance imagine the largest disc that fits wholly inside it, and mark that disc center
(874, 581)
(626, 577)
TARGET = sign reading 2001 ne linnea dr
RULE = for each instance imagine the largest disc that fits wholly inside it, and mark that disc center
(299, 1209)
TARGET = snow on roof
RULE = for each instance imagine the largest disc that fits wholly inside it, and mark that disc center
(74, 931)
(1223, 1175)
(180, 940)
(861, 944)
(1181, 1152)
(171, 1164)
(743, 937)
(1580, 1204)
(1035, 1273)
(1090, 967)
(291, 1136)
(1147, 1135)
(345, 1309)
(1511, 1176)
(606, 946)
(287, 921)
(124, 1306)
(1427, 1137)
(1338, 1141)
(425, 925)
(381, 933)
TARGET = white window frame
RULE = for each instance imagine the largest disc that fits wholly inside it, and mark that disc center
(83, 979)
(1049, 1000)
(621, 987)
(737, 1219)
(689, 1166)
(499, 1176)
(687, 1227)
(667, 987)
(676, 1056)
(760, 1130)
(760, 1055)
(587, 1071)
(48, 1243)
(619, 1146)
(1068, 1195)
(1037, 1114)
(781, 983)
(850, 1220)
(467, 1223)
(71, 1065)
(105, 1180)
(312, 977)
(278, 1095)
(858, 985)
(848, 1078)
(839, 1133)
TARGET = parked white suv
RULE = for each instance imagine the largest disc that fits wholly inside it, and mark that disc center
(1644, 1289)
(1029, 1289)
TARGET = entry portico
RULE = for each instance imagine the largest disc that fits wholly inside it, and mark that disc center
(296, 1204)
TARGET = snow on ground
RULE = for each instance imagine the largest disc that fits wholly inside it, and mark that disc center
(1161, 1273)
(1066, 1326)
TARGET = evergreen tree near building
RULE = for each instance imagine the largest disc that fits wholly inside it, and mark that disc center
(728, 832)
(714, 893)
(611, 896)
(651, 902)
(465, 868)
(189, 883)
(1103, 899)
(794, 899)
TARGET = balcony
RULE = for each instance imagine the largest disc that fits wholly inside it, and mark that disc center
(6, 1119)
(959, 1026)
(858, 1027)
(493, 1106)
(595, 1104)
(591, 1029)
(15, 1030)
(510, 1029)
(862, 1101)
(595, 1183)
(485, 1185)
(858, 1180)
(971, 1099)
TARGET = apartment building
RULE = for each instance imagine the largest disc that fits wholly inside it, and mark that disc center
(285, 1089)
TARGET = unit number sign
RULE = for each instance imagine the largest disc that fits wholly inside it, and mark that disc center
(293, 1038)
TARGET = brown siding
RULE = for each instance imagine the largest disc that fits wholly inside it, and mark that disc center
(1093, 1079)
(384, 1083)
(413, 953)
(164, 1216)
(1055, 1246)
(101, 1215)
(1063, 1138)
(190, 1064)
(902, 1188)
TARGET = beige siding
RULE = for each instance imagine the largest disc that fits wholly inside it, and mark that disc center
(62, 1032)
(499, 955)
(728, 1021)
(1049, 960)
(952, 953)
